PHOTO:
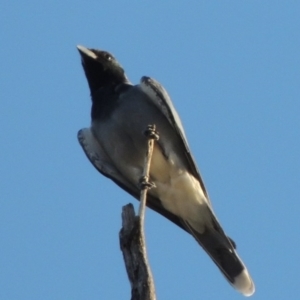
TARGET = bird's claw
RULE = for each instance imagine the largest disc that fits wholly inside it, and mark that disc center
(145, 184)
(151, 132)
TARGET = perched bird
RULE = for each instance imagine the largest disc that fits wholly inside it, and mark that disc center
(116, 146)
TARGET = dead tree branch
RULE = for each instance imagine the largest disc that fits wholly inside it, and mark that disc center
(132, 237)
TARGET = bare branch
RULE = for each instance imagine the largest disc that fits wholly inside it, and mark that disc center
(132, 237)
(145, 184)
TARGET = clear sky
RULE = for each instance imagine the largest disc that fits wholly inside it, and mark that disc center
(232, 69)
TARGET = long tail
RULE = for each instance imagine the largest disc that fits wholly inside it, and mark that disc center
(222, 251)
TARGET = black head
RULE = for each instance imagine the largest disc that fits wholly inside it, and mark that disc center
(101, 68)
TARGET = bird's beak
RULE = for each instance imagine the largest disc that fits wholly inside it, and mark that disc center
(85, 52)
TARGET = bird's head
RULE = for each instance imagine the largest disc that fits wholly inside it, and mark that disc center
(101, 68)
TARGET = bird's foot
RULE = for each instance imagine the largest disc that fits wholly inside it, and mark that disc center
(145, 184)
(151, 133)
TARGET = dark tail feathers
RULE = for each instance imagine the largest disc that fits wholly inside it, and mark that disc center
(222, 251)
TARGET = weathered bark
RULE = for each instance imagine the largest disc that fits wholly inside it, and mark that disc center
(132, 237)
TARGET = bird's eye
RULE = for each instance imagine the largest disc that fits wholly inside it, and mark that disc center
(108, 57)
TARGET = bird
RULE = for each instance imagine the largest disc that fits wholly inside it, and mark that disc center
(115, 145)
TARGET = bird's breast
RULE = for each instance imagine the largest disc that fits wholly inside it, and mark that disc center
(122, 137)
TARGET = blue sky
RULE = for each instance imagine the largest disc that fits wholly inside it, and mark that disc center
(232, 69)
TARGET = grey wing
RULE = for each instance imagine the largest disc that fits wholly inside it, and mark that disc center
(161, 99)
(102, 163)
(99, 158)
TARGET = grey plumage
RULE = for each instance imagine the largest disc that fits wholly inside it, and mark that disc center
(116, 146)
